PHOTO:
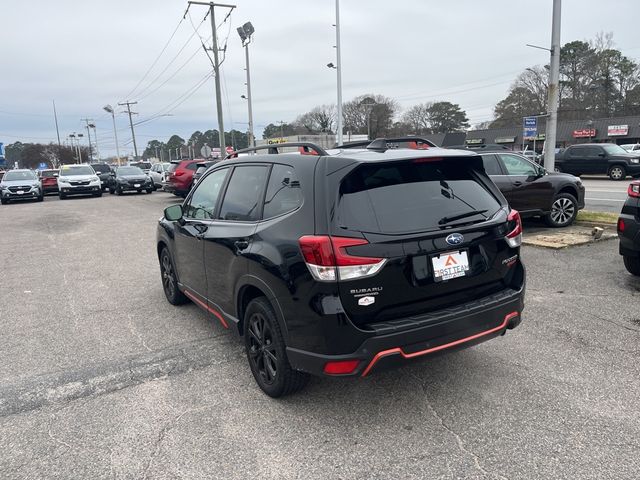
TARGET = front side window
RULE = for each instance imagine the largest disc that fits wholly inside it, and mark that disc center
(283, 192)
(242, 199)
(202, 204)
(518, 166)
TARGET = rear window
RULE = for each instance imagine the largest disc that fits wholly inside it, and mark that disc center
(172, 167)
(405, 197)
(48, 173)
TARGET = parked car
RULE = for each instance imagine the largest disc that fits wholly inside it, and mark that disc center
(78, 180)
(339, 265)
(2, 172)
(629, 229)
(49, 180)
(158, 174)
(533, 191)
(104, 173)
(602, 158)
(202, 167)
(131, 179)
(631, 147)
(22, 184)
(144, 166)
(180, 177)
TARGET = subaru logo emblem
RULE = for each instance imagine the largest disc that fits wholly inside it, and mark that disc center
(455, 239)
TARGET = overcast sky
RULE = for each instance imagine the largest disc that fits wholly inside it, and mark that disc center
(86, 54)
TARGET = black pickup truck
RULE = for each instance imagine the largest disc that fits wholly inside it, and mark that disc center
(598, 158)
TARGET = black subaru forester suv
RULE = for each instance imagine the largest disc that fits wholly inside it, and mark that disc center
(345, 262)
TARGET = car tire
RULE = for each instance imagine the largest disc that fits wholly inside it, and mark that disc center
(266, 351)
(617, 173)
(632, 264)
(118, 191)
(99, 194)
(150, 190)
(62, 196)
(169, 280)
(112, 190)
(4, 201)
(564, 210)
(41, 197)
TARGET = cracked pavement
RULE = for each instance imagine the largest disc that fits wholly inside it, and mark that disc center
(101, 378)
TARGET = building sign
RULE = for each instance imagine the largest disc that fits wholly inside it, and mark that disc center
(617, 130)
(274, 141)
(474, 141)
(505, 140)
(540, 137)
(584, 133)
(529, 127)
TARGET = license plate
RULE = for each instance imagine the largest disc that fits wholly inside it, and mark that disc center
(20, 192)
(450, 265)
(137, 185)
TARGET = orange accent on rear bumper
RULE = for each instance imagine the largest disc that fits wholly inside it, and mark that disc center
(207, 308)
(399, 351)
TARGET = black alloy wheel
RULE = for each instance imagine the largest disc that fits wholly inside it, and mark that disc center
(266, 351)
(564, 210)
(4, 201)
(632, 264)
(169, 280)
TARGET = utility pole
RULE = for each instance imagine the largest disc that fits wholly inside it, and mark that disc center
(87, 120)
(55, 116)
(339, 74)
(554, 76)
(133, 134)
(216, 64)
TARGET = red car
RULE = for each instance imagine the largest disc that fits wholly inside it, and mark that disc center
(180, 177)
(49, 179)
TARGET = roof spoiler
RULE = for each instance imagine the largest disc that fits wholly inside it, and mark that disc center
(304, 147)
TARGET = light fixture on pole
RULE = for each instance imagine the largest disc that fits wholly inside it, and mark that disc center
(109, 108)
(245, 32)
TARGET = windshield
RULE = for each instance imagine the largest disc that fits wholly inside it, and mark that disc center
(101, 168)
(144, 165)
(20, 175)
(613, 149)
(76, 170)
(130, 171)
(404, 197)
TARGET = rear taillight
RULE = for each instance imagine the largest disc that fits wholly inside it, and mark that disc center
(621, 225)
(343, 367)
(634, 189)
(328, 260)
(177, 173)
(514, 227)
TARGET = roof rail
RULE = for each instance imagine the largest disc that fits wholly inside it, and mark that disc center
(273, 148)
(383, 144)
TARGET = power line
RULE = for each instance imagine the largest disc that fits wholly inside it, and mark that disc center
(128, 95)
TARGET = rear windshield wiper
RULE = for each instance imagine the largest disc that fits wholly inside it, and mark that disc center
(453, 218)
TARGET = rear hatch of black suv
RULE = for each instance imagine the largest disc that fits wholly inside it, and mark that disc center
(414, 236)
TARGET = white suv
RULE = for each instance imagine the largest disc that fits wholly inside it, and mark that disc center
(158, 173)
(78, 180)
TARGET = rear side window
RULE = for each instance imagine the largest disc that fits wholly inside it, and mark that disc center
(242, 199)
(491, 165)
(192, 166)
(48, 174)
(283, 192)
(405, 197)
(577, 151)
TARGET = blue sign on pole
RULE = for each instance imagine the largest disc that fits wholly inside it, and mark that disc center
(2, 159)
(530, 127)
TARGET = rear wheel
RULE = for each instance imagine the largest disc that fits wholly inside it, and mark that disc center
(632, 264)
(266, 352)
(62, 196)
(118, 191)
(564, 210)
(4, 201)
(169, 280)
(617, 172)
(150, 190)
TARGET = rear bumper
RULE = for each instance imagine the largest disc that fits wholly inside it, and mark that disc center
(400, 341)
(630, 238)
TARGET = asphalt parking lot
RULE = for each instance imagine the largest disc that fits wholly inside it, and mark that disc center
(101, 378)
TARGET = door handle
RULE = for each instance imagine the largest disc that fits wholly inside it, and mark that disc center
(241, 244)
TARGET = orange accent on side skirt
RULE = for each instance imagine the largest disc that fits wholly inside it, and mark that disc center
(207, 308)
(399, 351)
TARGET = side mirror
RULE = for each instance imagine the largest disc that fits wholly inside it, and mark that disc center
(602, 154)
(173, 213)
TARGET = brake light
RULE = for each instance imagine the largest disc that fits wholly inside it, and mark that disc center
(634, 189)
(621, 225)
(428, 160)
(177, 173)
(343, 367)
(328, 260)
(514, 225)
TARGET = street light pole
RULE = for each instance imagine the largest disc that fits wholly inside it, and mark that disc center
(553, 92)
(109, 108)
(339, 76)
(245, 33)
